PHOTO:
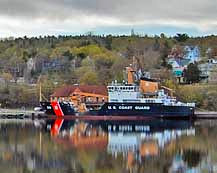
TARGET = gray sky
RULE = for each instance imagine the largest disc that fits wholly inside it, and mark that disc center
(47, 17)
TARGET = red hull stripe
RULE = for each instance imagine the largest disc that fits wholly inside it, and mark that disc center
(56, 127)
(57, 109)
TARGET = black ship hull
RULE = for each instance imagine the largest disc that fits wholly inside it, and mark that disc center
(57, 108)
(144, 110)
(123, 110)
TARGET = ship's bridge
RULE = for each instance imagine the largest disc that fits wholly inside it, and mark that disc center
(123, 88)
(123, 92)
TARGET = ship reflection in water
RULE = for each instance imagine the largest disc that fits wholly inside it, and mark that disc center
(134, 143)
(108, 146)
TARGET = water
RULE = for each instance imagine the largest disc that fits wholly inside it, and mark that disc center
(153, 146)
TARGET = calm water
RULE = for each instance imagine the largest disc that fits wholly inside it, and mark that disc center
(100, 147)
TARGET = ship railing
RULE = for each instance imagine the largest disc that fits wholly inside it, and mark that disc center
(191, 104)
(132, 100)
(151, 100)
(120, 84)
(184, 104)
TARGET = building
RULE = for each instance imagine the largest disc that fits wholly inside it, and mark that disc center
(192, 53)
(212, 61)
(180, 58)
(208, 71)
(205, 69)
(213, 75)
(176, 52)
(88, 95)
(178, 66)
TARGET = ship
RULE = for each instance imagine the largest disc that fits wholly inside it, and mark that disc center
(126, 100)
(130, 99)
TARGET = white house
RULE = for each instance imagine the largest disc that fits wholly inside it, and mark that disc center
(212, 61)
(192, 53)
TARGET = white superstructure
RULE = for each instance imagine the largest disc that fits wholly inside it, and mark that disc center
(125, 93)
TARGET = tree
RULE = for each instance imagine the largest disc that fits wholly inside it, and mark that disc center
(108, 42)
(192, 157)
(162, 35)
(192, 73)
(156, 45)
(181, 37)
(89, 78)
(7, 77)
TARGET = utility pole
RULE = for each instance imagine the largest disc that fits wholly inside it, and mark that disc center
(39, 81)
(40, 91)
(40, 96)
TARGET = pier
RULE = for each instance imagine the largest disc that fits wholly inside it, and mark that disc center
(19, 114)
(206, 115)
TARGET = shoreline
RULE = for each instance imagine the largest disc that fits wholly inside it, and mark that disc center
(21, 114)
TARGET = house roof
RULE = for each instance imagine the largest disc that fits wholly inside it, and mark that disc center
(67, 90)
(148, 79)
(184, 62)
(180, 62)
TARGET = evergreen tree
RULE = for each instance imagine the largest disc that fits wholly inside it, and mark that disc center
(181, 37)
(192, 73)
(108, 42)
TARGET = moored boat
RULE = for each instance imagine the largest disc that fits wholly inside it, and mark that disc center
(58, 108)
(128, 99)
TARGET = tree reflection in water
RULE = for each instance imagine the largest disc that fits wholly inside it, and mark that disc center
(192, 157)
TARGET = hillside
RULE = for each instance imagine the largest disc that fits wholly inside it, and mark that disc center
(85, 59)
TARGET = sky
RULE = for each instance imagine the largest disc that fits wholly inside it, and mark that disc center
(20, 18)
